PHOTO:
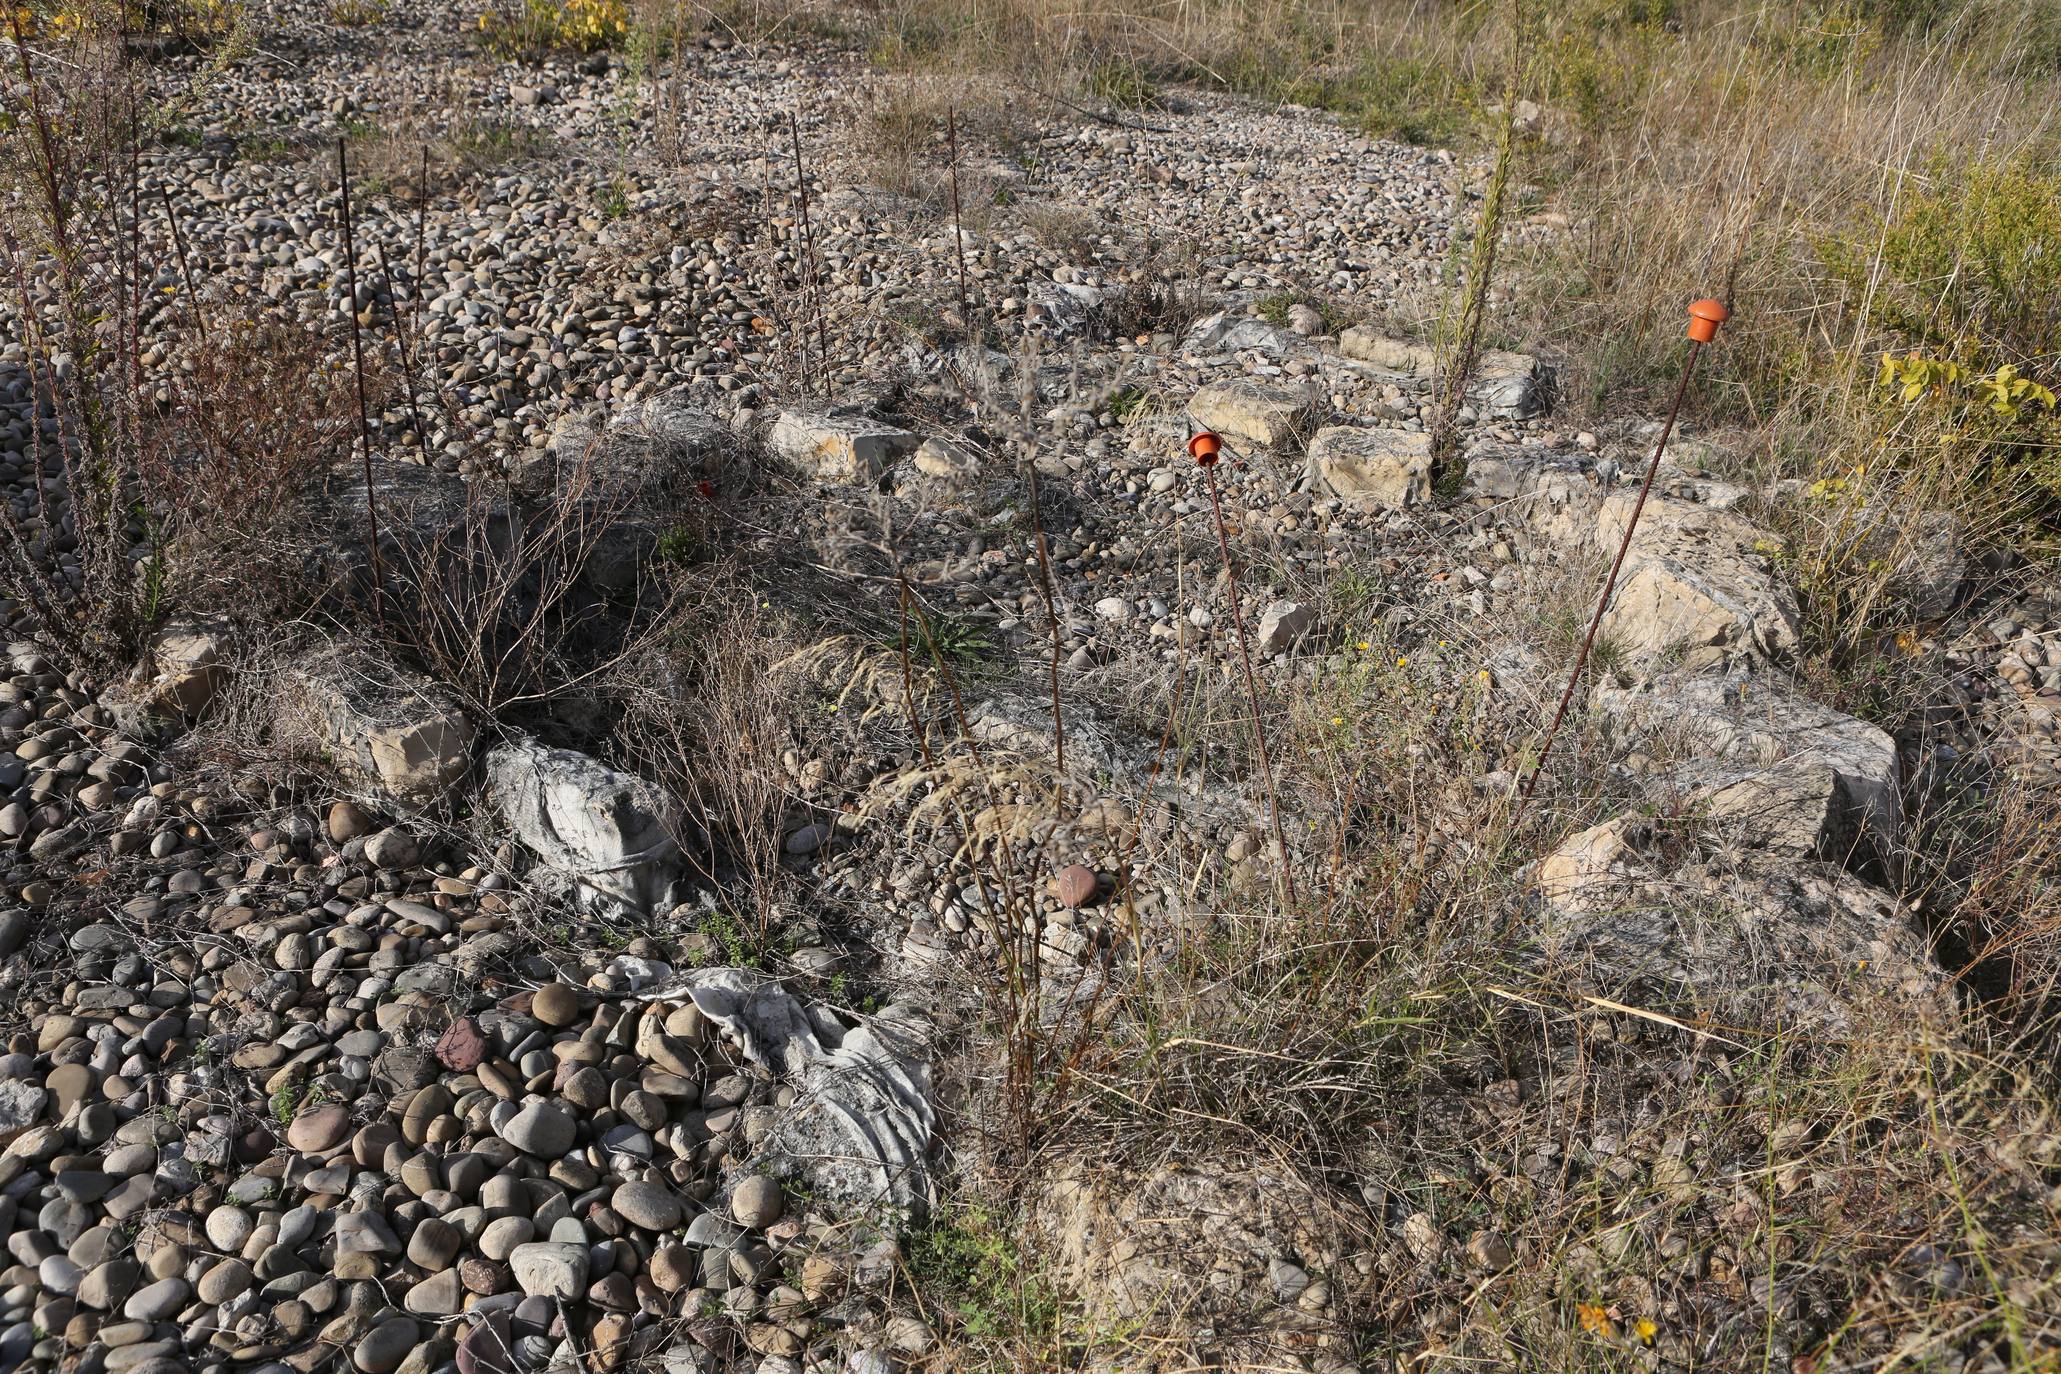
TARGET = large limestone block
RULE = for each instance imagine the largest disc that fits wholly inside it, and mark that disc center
(1504, 385)
(396, 738)
(1698, 586)
(834, 448)
(1756, 944)
(1794, 777)
(1380, 467)
(1254, 413)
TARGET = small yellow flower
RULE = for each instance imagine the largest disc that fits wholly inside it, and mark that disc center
(1338, 720)
(1646, 1330)
(1595, 1319)
(1364, 646)
(1403, 661)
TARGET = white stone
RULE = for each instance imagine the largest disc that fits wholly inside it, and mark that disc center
(611, 834)
(550, 1269)
(1282, 624)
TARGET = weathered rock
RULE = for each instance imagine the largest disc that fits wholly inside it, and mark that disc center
(1202, 1235)
(1698, 586)
(1382, 467)
(860, 1126)
(611, 835)
(190, 663)
(1224, 332)
(550, 1269)
(946, 461)
(1792, 776)
(397, 738)
(835, 448)
(1504, 385)
(1362, 343)
(647, 439)
(1513, 386)
(21, 1106)
(1282, 625)
(1556, 494)
(1922, 552)
(1254, 413)
(1579, 875)
(1757, 941)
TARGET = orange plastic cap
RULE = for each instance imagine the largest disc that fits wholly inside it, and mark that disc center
(1704, 318)
(1205, 446)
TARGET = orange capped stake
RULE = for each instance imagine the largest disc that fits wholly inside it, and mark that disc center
(1205, 446)
(1704, 318)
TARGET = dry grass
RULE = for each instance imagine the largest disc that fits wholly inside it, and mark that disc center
(1679, 1180)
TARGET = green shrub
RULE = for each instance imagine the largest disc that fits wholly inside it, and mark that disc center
(1974, 252)
(1125, 83)
(1405, 99)
(543, 26)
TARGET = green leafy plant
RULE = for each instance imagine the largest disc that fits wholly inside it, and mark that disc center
(1127, 402)
(996, 1292)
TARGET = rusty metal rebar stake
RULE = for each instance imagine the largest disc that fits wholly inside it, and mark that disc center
(1206, 448)
(1704, 318)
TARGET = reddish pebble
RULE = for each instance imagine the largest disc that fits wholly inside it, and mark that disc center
(461, 1048)
(1076, 885)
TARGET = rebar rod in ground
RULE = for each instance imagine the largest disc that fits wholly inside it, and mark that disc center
(343, 176)
(1705, 316)
(200, 319)
(401, 343)
(1029, 371)
(417, 297)
(958, 233)
(1259, 724)
(813, 274)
